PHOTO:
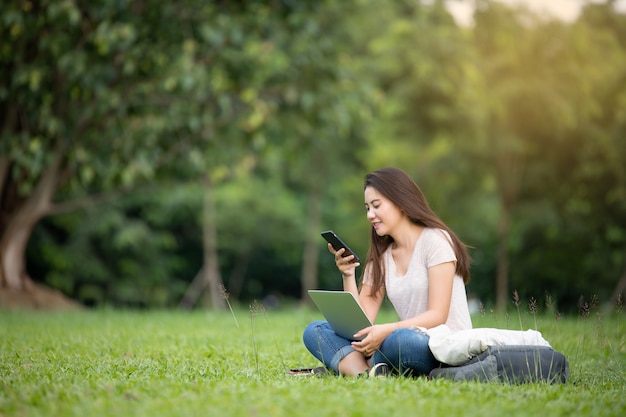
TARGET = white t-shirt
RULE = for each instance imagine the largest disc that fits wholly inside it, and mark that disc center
(409, 293)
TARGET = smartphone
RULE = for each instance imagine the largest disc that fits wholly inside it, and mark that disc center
(301, 371)
(337, 243)
(308, 371)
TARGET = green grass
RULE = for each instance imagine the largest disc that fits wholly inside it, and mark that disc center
(113, 363)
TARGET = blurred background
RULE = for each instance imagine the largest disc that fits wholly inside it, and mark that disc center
(177, 154)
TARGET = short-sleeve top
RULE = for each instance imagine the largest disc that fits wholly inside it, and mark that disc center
(409, 293)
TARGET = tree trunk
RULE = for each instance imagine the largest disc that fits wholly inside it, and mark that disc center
(617, 298)
(193, 291)
(212, 276)
(208, 282)
(312, 236)
(502, 277)
(20, 222)
(509, 165)
(5, 166)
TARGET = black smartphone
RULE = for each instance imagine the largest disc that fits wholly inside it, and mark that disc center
(301, 371)
(337, 243)
(308, 371)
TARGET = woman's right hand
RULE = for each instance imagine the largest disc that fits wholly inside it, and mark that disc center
(346, 265)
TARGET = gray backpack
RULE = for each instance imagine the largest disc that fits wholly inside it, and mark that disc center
(510, 364)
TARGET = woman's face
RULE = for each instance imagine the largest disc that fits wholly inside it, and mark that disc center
(381, 212)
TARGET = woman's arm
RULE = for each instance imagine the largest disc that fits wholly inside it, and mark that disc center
(347, 268)
(440, 280)
(371, 301)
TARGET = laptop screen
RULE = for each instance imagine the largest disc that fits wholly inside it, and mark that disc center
(342, 311)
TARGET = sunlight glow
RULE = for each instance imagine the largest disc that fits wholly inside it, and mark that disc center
(567, 10)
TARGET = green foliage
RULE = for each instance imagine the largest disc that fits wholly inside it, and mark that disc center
(282, 104)
(145, 248)
(172, 363)
(74, 76)
(559, 165)
(136, 254)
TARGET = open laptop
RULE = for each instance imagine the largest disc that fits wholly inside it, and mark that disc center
(342, 311)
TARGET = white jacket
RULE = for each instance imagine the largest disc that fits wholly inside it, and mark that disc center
(456, 348)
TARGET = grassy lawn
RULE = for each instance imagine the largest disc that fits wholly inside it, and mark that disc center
(120, 363)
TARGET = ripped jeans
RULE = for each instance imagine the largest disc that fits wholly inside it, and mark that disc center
(405, 351)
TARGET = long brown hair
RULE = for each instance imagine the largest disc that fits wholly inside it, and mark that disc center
(398, 187)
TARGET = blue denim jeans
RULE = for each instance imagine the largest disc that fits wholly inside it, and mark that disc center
(405, 350)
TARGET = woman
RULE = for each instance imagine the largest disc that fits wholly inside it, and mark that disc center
(422, 267)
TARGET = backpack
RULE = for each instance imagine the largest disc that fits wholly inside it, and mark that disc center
(513, 364)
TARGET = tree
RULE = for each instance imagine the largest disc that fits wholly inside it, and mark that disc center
(613, 121)
(144, 91)
(541, 87)
(320, 111)
(302, 101)
(70, 75)
(89, 108)
(578, 177)
(430, 111)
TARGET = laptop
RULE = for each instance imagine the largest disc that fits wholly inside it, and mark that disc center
(342, 311)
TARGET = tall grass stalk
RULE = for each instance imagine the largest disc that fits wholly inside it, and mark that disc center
(533, 307)
(516, 302)
(278, 347)
(256, 308)
(226, 296)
